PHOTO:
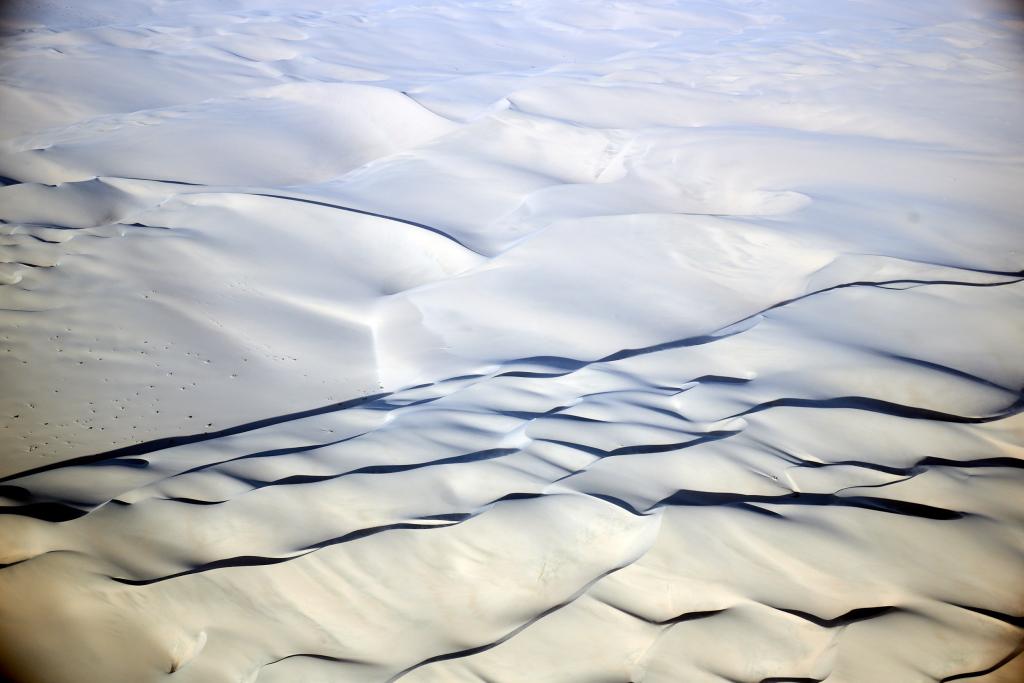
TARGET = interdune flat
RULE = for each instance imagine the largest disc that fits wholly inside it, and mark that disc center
(661, 341)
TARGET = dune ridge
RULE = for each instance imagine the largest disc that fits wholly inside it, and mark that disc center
(660, 341)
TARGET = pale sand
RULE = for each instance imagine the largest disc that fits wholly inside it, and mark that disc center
(517, 341)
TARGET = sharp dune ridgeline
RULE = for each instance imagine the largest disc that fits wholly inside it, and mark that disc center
(575, 341)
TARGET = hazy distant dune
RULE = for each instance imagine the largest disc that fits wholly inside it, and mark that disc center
(664, 341)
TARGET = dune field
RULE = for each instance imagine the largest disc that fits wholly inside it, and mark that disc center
(511, 341)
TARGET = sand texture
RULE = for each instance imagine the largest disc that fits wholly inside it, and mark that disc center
(661, 341)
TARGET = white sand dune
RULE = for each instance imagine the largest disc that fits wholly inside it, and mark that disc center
(671, 341)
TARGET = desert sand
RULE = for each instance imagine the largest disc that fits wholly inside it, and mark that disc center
(661, 341)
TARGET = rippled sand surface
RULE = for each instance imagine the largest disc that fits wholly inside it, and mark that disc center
(528, 341)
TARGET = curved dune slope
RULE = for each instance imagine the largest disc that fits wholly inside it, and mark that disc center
(661, 342)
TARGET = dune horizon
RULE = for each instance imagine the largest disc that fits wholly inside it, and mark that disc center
(548, 341)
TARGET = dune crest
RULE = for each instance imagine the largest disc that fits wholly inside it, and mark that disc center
(549, 341)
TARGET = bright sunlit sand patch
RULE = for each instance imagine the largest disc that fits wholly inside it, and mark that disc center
(667, 341)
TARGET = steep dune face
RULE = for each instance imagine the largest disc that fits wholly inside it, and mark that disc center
(531, 341)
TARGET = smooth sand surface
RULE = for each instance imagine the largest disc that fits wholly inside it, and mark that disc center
(666, 341)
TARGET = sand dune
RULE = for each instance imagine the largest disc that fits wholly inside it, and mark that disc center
(668, 341)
